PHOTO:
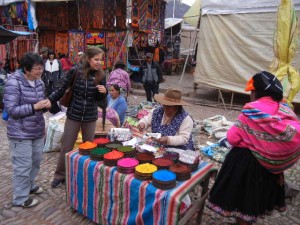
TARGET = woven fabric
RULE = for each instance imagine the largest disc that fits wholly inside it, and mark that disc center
(271, 130)
(108, 197)
(61, 42)
(121, 14)
(109, 15)
(135, 14)
(76, 44)
(97, 14)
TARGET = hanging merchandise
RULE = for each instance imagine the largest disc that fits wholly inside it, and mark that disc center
(97, 14)
(129, 39)
(95, 38)
(76, 43)
(109, 15)
(143, 16)
(135, 13)
(121, 14)
(61, 38)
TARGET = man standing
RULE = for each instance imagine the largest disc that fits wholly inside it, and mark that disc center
(152, 76)
(44, 54)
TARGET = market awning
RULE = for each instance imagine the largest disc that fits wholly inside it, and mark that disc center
(8, 35)
(171, 22)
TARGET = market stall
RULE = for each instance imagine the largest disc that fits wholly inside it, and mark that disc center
(107, 196)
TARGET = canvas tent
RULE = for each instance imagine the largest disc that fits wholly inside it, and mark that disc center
(236, 41)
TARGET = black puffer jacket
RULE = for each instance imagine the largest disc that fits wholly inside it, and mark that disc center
(86, 96)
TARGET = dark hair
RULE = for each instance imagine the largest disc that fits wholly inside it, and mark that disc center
(120, 66)
(30, 59)
(90, 53)
(116, 87)
(103, 106)
(61, 55)
(275, 96)
(266, 84)
(51, 52)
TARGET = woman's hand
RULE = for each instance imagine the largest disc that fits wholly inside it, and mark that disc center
(141, 126)
(42, 104)
(162, 140)
(102, 89)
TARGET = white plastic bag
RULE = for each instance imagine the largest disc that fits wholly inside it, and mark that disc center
(54, 132)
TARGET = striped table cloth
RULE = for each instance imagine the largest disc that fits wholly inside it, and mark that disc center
(106, 196)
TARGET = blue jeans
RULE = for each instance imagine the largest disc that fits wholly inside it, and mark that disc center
(26, 158)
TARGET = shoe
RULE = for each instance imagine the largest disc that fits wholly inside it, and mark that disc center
(56, 183)
(37, 190)
(29, 203)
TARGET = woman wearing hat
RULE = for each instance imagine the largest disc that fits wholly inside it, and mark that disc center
(266, 141)
(120, 77)
(171, 120)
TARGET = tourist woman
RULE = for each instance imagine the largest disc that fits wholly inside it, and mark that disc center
(24, 100)
(171, 120)
(52, 78)
(266, 141)
(88, 91)
(116, 101)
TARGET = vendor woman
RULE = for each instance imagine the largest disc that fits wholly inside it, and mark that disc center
(171, 120)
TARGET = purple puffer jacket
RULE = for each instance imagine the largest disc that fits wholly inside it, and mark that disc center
(19, 97)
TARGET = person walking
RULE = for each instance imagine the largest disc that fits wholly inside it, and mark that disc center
(88, 91)
(24, 100)
(151, 76)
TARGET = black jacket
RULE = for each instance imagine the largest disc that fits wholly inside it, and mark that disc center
(86, 96)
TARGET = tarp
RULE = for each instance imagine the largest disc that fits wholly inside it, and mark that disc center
(8, 35)
(232, 48)
(241, 6)
(171, 22)
(192, 15)
(285, 45)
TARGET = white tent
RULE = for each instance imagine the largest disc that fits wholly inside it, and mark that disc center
(236, 41)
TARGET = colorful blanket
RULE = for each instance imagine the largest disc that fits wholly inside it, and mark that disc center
(107, 197)
(271, 131)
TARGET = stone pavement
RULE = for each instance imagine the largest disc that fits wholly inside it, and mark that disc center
(53, 209)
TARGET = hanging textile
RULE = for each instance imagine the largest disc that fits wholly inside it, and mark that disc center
(53, 15)
(144, 39)
(136, 38)
(143, 16)
(97, 14)
(120, 46)
(155, 15)
(162, 14)
(47, 39)
(61, 42)
(109, 15)
(85, 12)
(76, 43)
(95, 38)
(121, 14)
(72, 15)
(135, 14)
(111, 45)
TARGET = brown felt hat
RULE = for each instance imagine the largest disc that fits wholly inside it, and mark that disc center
(170, 97)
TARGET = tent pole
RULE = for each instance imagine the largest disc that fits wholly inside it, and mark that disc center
(195, 32)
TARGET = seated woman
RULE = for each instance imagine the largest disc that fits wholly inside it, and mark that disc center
(174, 124)
(266, 141)
(116, 101)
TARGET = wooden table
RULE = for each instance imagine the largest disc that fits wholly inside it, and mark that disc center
(106, 196)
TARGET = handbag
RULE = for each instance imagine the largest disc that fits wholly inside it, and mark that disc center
(67, 97)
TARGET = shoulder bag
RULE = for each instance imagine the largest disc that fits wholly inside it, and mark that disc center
(67, 97)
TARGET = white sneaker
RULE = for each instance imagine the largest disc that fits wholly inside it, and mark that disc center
(29, 203)
(36, 190)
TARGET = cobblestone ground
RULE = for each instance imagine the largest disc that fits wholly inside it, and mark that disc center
(54, 210)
